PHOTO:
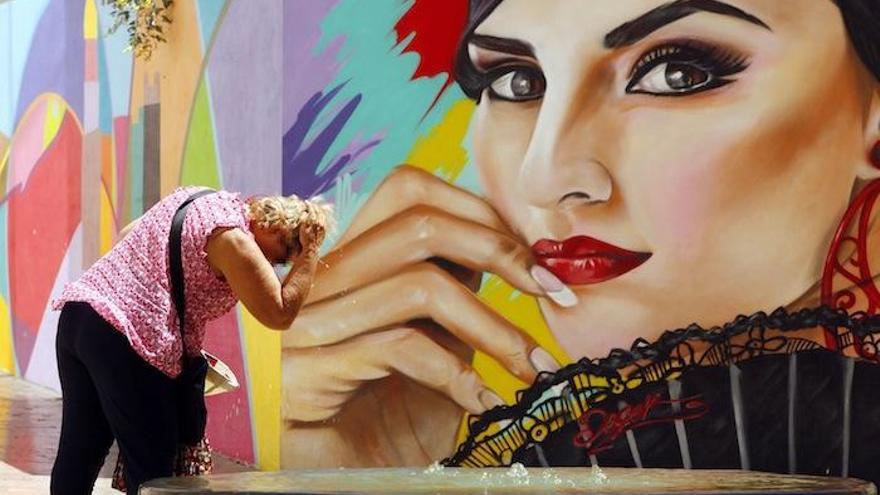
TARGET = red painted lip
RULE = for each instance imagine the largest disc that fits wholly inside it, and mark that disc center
(583, 260)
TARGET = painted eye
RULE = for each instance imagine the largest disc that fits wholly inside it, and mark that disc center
(519, 84)
(685, 68)
(671, 77)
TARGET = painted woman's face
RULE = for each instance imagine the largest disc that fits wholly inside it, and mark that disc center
(671, 162)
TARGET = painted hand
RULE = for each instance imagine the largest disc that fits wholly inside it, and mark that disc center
(380, 355)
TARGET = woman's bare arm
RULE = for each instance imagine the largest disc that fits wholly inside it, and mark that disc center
(251, 277)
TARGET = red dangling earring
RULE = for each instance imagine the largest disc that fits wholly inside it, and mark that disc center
(855, 270)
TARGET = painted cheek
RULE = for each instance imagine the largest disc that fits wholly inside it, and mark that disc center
(500, 190)
(679, 209)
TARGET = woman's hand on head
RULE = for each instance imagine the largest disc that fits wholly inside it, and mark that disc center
(310, 238)
(393, 311)
(236, 256)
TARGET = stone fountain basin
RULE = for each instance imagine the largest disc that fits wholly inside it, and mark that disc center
(516, 480)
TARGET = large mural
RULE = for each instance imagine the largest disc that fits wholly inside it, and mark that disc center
(528, 185)
(523, 189)
(90, 138)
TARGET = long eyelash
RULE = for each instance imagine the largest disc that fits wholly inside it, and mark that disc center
(486, 77)
(721, 61)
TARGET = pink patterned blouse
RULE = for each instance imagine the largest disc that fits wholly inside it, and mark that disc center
(129, 287)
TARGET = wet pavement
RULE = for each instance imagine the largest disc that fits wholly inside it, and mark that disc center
(30, 425)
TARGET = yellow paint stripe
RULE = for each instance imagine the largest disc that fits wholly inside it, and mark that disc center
(108, 169)
(441, 151)
(90, 21)
(4, 162)
(522, 310)
(54, 116)
(7, 349)
(108, 227)
(5, 413)
(263, 348)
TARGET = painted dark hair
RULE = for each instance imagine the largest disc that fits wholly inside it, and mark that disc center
(861, 17)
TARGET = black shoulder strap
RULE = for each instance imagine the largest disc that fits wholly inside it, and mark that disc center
(175, 257)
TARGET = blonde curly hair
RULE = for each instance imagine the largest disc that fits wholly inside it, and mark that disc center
(289, 213)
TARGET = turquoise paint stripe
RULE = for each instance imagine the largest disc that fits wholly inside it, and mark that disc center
(7, 101)
(218, 160)
(117, 60)
(105, 109)
(208, 13)
(392, 105)
(4, 250)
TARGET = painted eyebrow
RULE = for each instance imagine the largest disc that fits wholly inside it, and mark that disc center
(505, 45)
(640, 27)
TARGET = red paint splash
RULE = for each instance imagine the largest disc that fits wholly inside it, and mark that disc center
(43, 216)
(229, 414)
(433, 28)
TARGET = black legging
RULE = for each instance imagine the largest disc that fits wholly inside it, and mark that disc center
(109, 392)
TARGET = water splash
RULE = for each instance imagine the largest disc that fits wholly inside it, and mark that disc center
(597, 473)
(435, 468)
(517, 470)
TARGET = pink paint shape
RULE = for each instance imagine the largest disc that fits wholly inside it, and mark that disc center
(229, 415)
(37, 241)
(27, 145)
(24, 339)
(91, 67)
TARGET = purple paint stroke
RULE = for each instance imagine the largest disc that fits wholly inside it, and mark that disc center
(308, 114)
(245, 90)
(339, 167)
(56, 59)
(357, 147)
(305, 73)
(300, 174)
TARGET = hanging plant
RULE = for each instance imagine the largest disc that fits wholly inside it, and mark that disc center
(145, 20)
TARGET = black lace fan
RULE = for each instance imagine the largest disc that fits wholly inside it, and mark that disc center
(755, 394)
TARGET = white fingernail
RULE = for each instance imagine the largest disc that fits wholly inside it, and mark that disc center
(490, 399)
(555, 289)
(543, 361)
